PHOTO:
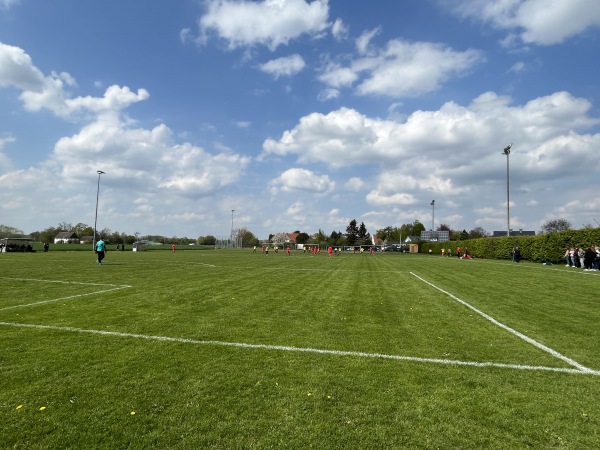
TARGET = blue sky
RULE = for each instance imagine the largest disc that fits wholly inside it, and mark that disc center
(298, 115)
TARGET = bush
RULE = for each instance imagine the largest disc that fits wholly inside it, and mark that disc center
(541, 248)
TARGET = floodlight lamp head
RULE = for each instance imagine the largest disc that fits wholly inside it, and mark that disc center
(507, 149)
(432, 202)
(100, 172)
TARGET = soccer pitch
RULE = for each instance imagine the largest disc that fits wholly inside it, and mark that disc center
(232, 349)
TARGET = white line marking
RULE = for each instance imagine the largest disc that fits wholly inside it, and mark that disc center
(185, 263)
(303, 350)
(113, 287)
(63, 282)
(527, 339)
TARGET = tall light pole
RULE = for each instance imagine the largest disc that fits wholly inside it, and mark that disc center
(506, 152)
(231, 238)
(432, 214)
(96, 217)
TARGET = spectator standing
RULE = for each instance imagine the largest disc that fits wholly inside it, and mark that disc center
(588, 258)
(517, 255)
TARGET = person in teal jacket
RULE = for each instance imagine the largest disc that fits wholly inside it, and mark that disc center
(100, 251)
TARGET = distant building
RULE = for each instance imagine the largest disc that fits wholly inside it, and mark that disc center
(435, 236)
(519, 232)
(411, 239)
(284, 238)
(66, 237)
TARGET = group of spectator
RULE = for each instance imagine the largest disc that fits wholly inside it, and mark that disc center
(587, 259)
(10, 247)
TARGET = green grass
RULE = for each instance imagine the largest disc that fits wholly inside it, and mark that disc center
(88, 344)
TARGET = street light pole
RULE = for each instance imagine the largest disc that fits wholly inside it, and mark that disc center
(96, 217)
(506, 152)
(231, 238)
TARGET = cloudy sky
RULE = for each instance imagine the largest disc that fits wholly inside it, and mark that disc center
(298, 114)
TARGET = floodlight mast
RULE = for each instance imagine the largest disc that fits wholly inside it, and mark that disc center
(506, 152)
(231, 236)
(432, 215)
(99, 172)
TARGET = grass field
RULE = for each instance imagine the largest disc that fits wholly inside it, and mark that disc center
(233, 350)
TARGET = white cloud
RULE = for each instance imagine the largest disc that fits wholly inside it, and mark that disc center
(345, 137)
(146, 160)
(354, 184)
(412, 69)
(303, 180)
(339, 30)
(285, 66)
(268, 22)
(400, 69)
(17, 70)
(5, 163)
(5, 4)
(185, 35)
(380, 198)
(49, 92)
(295, 208)
(455, 154)
(336, 76)
(115, 99)
(328, 94)
(542, 22)
(517, 67)
(364, 40)
(395, 187)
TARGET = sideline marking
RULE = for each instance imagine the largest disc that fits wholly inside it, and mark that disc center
(516, 333)
(113, 287)
(304, 350)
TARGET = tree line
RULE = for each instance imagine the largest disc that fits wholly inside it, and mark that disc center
(355, 234)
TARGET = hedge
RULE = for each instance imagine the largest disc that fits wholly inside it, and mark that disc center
(544, 247)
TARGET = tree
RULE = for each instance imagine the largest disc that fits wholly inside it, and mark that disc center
(478, 232)
(385, 234)
(104, 234)
(80, 228)
(556, 225)
(363, 236)
(464, 235)
(49, 234)
(248, 238)
(209, 240)
(334, 237)
(6, 231)
(444, 227)
(64, 226)
(352, 232)
(302, 238)
(319, 238)
(89, 231)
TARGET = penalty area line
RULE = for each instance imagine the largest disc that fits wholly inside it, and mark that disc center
(514, 332)
(43, 302)
(309, 350)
